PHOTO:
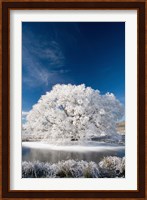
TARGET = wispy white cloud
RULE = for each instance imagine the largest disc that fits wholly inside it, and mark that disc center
(42, 61)
(37, 74)
(49, 51)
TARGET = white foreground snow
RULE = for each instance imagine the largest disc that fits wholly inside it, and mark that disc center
(93, 146)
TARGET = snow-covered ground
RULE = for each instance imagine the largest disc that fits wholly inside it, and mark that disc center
(89, 146)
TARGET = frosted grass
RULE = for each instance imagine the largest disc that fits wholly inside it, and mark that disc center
(108, 167)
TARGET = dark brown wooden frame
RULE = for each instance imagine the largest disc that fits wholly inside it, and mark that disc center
(87, 4)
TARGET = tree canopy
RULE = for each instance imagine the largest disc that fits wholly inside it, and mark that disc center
(74, 113)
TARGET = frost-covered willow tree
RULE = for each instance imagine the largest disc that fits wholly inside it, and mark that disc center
(74, 113)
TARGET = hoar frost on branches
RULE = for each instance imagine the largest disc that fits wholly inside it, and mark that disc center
(74, 113)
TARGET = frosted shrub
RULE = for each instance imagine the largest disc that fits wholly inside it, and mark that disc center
(123, 167)
(109, 167)
(38, 169)
(74, 169)
(112, 166)
(27, 170)
(71, 113)
(69, 168)
(91, 171)
(62, 169)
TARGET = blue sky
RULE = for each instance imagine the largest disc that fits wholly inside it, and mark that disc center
(92, 53)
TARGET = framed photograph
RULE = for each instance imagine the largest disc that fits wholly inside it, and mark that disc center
(73, 99)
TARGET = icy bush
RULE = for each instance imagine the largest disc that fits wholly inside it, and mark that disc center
(62, 169)
(109, 167)
(38, 170)
(112, 166)
(74, 113)
(123, 166)
(74, 169)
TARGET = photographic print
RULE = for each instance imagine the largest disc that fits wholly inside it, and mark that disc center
(73, 99)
